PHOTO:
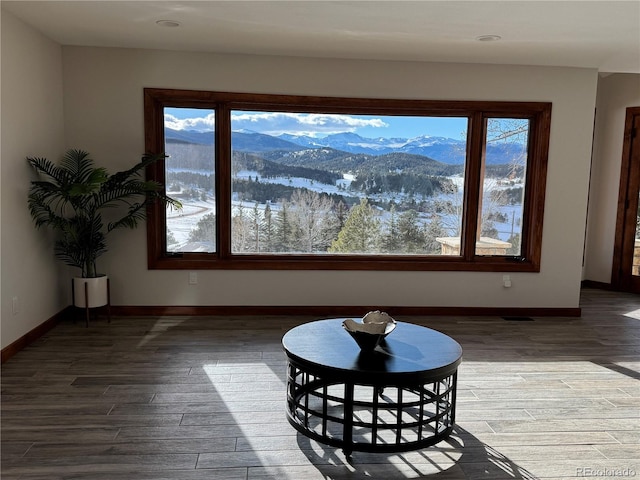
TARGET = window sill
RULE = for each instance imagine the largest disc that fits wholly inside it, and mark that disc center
(194, 261)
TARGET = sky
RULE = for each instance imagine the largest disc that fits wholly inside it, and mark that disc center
(320, 125)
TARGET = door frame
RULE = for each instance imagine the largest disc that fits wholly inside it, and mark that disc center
(626, 217)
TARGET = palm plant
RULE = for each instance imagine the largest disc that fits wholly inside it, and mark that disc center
(71, 196)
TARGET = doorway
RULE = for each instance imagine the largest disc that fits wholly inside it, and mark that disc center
(626, 254)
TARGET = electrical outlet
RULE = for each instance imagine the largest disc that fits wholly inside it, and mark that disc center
(15, 305)
(506, 281)
(193, 278)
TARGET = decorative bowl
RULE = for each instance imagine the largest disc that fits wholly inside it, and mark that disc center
(369, 333)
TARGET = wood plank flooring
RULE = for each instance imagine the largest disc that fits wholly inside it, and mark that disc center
(182, 398)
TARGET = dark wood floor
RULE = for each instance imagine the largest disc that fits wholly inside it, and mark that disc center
(180, 398)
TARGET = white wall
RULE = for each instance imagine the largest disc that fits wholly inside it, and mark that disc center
(31, 125)
(104, 115)
(615, 94)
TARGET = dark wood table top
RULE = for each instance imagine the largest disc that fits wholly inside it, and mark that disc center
(411, 352)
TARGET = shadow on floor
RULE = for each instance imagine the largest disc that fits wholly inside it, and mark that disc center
(461, 457)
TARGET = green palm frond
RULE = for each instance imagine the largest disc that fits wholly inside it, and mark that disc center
(47, 198)
(48, 169)
(110, 195)
(135, 214)
(78, 164)
(81, 243)
(43, 214)
(70, 197)
(135, 171)
(91, 183)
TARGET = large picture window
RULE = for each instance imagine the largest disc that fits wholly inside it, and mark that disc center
(290, 182)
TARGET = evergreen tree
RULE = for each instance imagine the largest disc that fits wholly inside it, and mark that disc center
(269, 229)
(434, 229)
(410, 233)
(205, 230)
(342, 212)
(171, 239)
(283, 241)
(489, 229)
(361, 231)
(391, 239)
(256, 226)
(335, 221)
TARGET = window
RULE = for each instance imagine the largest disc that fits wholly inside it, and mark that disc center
(290, 182)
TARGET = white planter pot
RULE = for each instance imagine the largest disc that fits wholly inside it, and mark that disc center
(96, 293)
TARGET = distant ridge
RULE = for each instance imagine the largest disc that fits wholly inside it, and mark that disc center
(445, 150)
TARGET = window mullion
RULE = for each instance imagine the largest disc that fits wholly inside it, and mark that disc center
(223, 180)
(473, 177)
(154, 143)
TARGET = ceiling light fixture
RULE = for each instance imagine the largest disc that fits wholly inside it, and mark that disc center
(168, 23)
(488, 38)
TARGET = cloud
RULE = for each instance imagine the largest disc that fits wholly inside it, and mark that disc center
(311, 124)
(277, 123)
(199, 124)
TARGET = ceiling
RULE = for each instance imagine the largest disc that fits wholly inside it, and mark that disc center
(593, 34)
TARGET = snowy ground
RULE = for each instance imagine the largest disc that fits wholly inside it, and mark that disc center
(181, 223)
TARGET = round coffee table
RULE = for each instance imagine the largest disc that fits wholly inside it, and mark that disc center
(399, 397)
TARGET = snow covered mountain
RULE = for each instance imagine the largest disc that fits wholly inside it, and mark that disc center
(446, 150)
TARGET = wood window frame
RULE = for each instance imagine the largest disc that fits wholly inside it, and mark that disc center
(622, 277)
(539, 114)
